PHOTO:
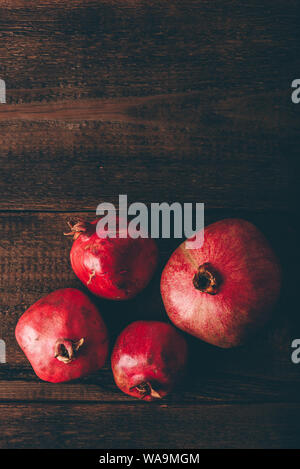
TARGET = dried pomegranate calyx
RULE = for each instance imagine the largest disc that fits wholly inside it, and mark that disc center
(207, 279)
(77, 228)
(66, 349)
(146, 389)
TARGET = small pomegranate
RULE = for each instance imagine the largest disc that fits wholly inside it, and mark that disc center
(113, 268)
(63, 336)
(148, 359)
(225, 290)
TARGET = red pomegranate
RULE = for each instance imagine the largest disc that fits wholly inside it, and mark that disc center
(148, 359)
(113, 268)
(63, 336)
(225, 290)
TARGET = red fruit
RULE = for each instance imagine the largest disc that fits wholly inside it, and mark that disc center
(63, 336)
(112, 268)
(148, 359)
(225, 290)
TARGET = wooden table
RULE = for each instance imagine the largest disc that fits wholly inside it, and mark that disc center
(186, 101)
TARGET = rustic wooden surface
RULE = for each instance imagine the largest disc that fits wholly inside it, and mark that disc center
(164, 101)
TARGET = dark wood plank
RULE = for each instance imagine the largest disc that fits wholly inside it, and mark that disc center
(34, 260)
(66, 49)
(160, 101)
(189, 147)
(214, 387)
(149, 426)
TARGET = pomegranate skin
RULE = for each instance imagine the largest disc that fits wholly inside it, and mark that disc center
(64, 321)
(113, 268)
(148, 359)
(224, 291)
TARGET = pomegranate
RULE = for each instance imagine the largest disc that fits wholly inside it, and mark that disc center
(148, 359)
(63, 336)
(113, 268)
(225, 290)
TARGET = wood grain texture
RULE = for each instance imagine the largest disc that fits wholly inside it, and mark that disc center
(161, 101)
(19, 384)
(104, 426)
(170, 148)
(65, 49)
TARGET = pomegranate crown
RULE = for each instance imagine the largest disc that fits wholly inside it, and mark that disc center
(77, 228)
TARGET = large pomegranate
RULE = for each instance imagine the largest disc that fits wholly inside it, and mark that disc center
(225, 290)
(113, 268)
(63, 336)
(148, 359)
